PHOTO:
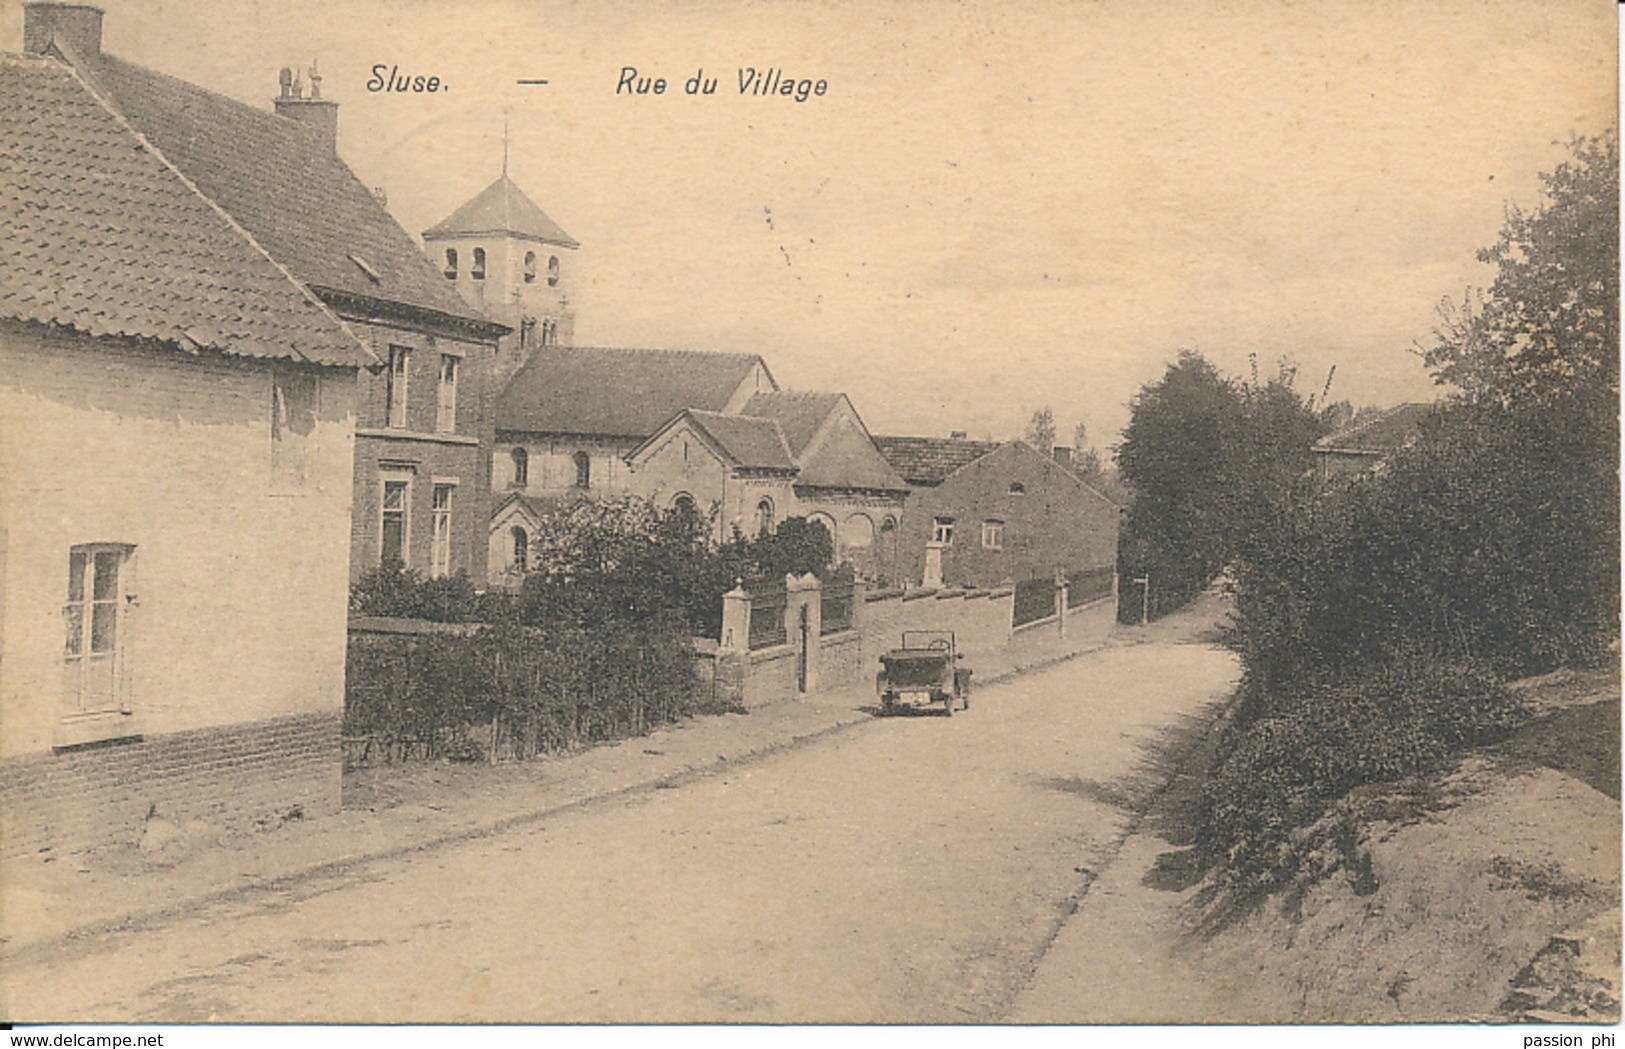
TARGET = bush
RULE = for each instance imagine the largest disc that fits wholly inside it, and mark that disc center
(1279, 774)
(392, 590)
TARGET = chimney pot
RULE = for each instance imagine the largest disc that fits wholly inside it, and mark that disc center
(1063, 454)
(79, 25)
(956, 435)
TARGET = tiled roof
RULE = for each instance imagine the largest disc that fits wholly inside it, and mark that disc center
(282, 181)
(1377, 433)
(798, 413)
(750, 442)
(927, 460)
(616, 392)
(100, 235)
(501, 207)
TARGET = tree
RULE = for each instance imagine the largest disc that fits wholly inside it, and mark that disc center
(1085, 459)
(1211, 461)
(1546, 333)
(1041, 430)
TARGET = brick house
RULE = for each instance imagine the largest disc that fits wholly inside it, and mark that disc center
(177, 418)
(982, 513)
(421, 494)
(843, 481)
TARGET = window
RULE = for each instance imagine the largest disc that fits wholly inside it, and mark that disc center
(942, 531)
(451, 264)
(395, 386)
(993, 535)
(521, 467)
(583, 469)
(521, 549)
(446, 417)
(395, 507)
(553, 271)
(764, 517)
(93, 618)
(293, 425)
(440, 557)
(478, 270)
(530, 267)
(684, 503)
(1017, 488)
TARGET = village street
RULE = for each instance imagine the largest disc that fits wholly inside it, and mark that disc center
(912, 869)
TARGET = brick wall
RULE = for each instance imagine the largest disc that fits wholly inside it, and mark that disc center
(228, 777)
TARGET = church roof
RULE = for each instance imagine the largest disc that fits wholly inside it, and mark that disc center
(502, 207)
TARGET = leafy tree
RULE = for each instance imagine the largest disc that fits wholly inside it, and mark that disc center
(1041, 430)
(1085, 459)
(1547, 331)
(1209, 460)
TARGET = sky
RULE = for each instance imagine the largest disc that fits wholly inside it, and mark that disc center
(994, 206)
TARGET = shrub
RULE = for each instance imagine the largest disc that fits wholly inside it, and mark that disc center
(1279, 774)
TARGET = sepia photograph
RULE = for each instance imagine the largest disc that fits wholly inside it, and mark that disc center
(1037, 515)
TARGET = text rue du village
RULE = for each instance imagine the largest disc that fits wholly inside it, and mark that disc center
(770, 82)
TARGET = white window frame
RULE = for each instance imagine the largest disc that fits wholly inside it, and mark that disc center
(992, 534)
(451, 366)
(384, 483)
(397, 385)
(440, 544)
(942, 531)
(79, 637)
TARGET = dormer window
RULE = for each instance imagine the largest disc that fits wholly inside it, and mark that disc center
(553, 271)
(530, 267)
(451, 263)
(1017, 488)
(478, 272)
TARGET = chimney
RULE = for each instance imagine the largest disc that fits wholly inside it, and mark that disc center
(1063, 455)
(956, 435)
(78, 25)
(316, 111)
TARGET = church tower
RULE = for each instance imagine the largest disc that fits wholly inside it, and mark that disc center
(508, 259)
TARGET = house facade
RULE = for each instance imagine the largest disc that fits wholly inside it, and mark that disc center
(177, 440)
(571, 415)
(736, 465)
(420, 480)
(980, 514)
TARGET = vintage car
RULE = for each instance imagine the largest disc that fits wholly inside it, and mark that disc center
(926, 665)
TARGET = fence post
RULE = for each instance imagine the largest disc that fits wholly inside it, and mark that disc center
(858, 614)
(736, 618)
(1060, 600)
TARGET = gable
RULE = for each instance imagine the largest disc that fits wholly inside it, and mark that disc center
(842, 455)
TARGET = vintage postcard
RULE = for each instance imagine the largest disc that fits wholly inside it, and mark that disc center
(775, 513)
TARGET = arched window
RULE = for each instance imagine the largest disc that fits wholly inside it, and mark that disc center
(530, 267)
(451, 263)
(583, 463)
(521, 549)
(828, 523)
(552, 271)
(764, 517)
(684, 503)
(521, 467)
(478, 272)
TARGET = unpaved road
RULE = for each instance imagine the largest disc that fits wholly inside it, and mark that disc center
(912, 869)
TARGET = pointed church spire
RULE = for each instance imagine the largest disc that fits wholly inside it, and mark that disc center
(504, 143)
